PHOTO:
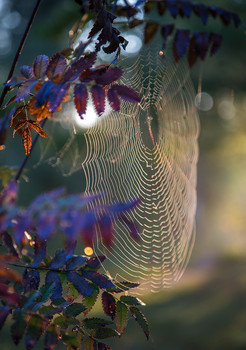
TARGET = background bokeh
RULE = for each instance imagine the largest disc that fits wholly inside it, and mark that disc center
(207, 307)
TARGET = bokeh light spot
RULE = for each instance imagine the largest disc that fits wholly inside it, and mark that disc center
(204, 101)
(88, 251)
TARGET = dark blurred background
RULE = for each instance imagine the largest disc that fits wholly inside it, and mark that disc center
(207, 307)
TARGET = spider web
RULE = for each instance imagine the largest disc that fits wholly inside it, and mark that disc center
(149, 151)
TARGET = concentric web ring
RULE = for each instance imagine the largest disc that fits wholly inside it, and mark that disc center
(149, 151)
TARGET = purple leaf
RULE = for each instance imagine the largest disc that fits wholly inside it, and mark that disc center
(40, 65)
(214, 11)
(9, 194)
(95, 262)
(113, 99)
(14, 81)
(76, 261)
(216, 41)
(44, 93)
(118, 208)
(225, 16)
(201, 11)
(34, 331)
(56, 65)
(181, 43)
(173, 8)
(26, 71)
(39, 251)
(201, 44)
(8, 295)
(53, 277)
(82, 286)
(98, 97)
(108, 304)
(46, 223)
(4, 311)
(133, 231)
(185, 8)
(79, 66)
(31, 279)
(127, 93)
(51, 337)
(106, 230)
(57, 95)
(108, 77)
(19, 326)
(23, 224)
(87, 228)
(236, 19)
(166, 31)
(80, 98)
(100, 280)
(25, 88)
(59, 260)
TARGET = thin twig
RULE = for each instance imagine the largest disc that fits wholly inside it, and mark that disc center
(19, 50)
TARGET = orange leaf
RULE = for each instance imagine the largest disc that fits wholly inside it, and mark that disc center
(27, 140)
(19, 125)
(38, 113)
(37, 127)
(9, 274)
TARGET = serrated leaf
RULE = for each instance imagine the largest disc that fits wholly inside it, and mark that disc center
(90, 301)
(40, 65)
(181, 43)
(34, 331)
(31, 279)
(106, 229)
(108, 304)
(37, 128)
(78, 66)
(49, 311)
(64, 321)
(19, 326)
(202, 42)
(46, 292)
(113, 99)
(100, 280)
(8, 294)
(141, 320)
(57, 96)
(110, 76)
(72, 340)
(95, 322)
(72, 293)
(82, 286)
(201, 11)
(56, 65)
(98, 98)
(59, 260)
(4, 312)
(80, 98)
(95, 262)
(121, 316)
(25, 89)
(127, 93)
(51, 277)
(130, 300)
(51, 337)
(89, 344)
(44, 93)
(9, 274)
(15, 81)
(104, 332)
(27, 141)
(74, 309)
(120, 287)
(149, 31)
(75, 261)
(39, 251)
(60, 302)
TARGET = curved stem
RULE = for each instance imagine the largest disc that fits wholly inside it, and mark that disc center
(19, 50)
(26, 157)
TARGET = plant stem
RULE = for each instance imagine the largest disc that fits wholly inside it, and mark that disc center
(26, 157)
(19, 50)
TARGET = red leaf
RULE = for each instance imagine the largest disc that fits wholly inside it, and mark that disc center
(57, 95)
(150, 30)
(113, 99)
(108, 77)
(40, 65)
(181, 43)
(80, 98)
(43, 93)
(98, 97)
(127, 93)
(166, 31)
(79, 66)
(108, 304)
(9, 295)
(56, 65)
(106, 229)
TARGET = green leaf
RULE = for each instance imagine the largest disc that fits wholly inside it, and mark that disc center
(19, 326)
(129, 300)
(122, 286)
(60, 302)
(89, 344)
(103, 332)
(74, 309)
(72, 292)
(49, 310)
(121, 317)
(72, 340)
(64, 321)
(90, 301)
(95, 322)
(141, 320)
(51, 337)
(34, 331)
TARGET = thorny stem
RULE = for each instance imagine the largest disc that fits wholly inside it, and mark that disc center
(19, 50)
(26, 157)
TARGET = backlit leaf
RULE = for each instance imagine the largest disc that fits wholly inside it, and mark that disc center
(9, 274)
(202, 43)
(79, 66)
(27, 140)
(130, 300)
(80, 98)
(95, 261)
(127, 93)
(201, 11)
(39, 251)
(74, 309)
(25, 89)
(82, 286)
(37, 127)
(122, 286)
(141, 320)
(99, 279)
(104, 332)
(106, 229)
(56, 65)
(113, 99)
(19, 325)
(34, 331)
(108, 77)
(98, 98)
(59, 260)
(51, 337)
(40, 65)
(44, 93)
(8, 294)
(108, 304)
(186, 8)
(51, 277)
(72, 340)
(89, 344)
(166, 31)
(181, 43)
(57, 96)
(90, 300)
(161, 7)
(121, 316)
(76, 261)
(150, 30)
